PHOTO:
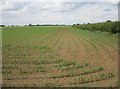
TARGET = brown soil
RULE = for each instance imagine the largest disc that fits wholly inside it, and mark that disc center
(84, 52)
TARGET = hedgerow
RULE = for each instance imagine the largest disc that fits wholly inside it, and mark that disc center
(108, 26)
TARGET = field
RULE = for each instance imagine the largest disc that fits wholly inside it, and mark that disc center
(58, 56)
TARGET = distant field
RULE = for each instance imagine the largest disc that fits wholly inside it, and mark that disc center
(59, 56)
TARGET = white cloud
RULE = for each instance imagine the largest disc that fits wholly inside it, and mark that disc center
(115, 1)
(96, 12)
(58, 12)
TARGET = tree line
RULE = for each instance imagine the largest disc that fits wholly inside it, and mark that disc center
(48, 25)
(108, 26)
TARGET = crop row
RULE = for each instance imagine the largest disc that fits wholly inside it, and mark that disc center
(61, 43)
(94, 43)
(56, 40)
(78, 73)
(92, 78)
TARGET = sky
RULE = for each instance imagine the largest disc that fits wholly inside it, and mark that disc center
(25, 12)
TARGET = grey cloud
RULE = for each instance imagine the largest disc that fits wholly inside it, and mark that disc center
(66, 7)
(16, 6)
(107, 10)
(70, 7)
(74, 6)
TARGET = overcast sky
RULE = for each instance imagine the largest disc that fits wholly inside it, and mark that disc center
(59, 12)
